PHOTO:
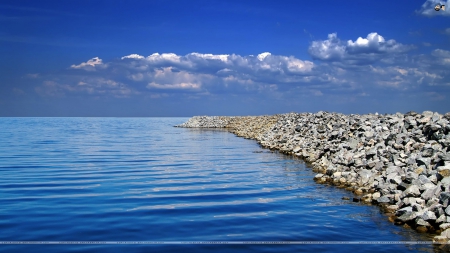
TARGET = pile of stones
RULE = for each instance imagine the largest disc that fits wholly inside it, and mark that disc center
(398, 161)
(206, 121)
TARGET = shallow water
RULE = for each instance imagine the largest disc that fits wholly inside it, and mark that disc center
(110, 180)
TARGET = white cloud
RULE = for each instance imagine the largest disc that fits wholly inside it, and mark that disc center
(221, 57)
(359, 52)
(447, 31)
(133, 56)
(354, 67)
(375, 43)
(262, 56)
(174, 86)
(331, 49)
(428, 10)
(89, 65)
(161, 58)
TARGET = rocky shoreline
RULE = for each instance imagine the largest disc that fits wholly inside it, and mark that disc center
(400, 162)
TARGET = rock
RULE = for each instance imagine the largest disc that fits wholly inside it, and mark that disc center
(383, 199)
(423, 229)
(376, 195)
(407, 216)
(444, 197)
(445, 181)
(428, 215)
(412, 191)
(423, 162)
(446, 233)
(404, 210)
(443, 171)
(365, 176)
(444, 226)
(391, 208)
(440, 239)
(431, 193)
(427, 152)
(423, 179)
(442, 219)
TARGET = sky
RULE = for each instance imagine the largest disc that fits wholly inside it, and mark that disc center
(184, 58)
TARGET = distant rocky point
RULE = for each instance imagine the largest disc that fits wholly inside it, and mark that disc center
(398, 161)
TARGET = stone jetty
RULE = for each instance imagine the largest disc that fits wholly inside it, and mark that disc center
(400, 162)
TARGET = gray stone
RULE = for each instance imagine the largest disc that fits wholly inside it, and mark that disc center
(445, 181)
(423, 179)
(442, 219)
(408, 216)
(431, 193)
(433, 179)
(444, 226)
(446, 233)
(423, 161)
(412, 191)
(365, 176)
(428, 215)
(383, 199)
(404, 210)
(410, 176)
(368, 134)
(444, 197)
(422, 222)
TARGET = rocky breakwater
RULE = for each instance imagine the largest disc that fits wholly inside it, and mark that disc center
(206, 121)
(398, 161)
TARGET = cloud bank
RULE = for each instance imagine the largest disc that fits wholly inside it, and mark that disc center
(357, 67)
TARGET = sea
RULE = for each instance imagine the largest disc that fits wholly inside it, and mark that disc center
(142, 185)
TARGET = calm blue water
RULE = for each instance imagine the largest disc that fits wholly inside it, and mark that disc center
(140, 179)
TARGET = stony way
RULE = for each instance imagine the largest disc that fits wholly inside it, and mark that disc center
(400, 162)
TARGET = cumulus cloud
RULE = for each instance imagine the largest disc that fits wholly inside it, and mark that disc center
(89, 65)
(209, 63)
(361, 51)
(198, 73)
(428, 10)
(328, 50)
(357, 67)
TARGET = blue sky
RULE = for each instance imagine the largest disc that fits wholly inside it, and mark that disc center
(185, 58)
